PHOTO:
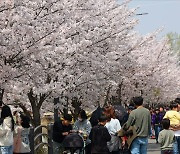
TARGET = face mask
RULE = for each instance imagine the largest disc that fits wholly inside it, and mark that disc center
(80, 119)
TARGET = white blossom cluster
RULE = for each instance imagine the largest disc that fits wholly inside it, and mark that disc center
(75, 48)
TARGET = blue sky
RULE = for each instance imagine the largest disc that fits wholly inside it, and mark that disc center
(161, 13)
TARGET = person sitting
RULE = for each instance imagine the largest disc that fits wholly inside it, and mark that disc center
(83, 126)
(61, 129)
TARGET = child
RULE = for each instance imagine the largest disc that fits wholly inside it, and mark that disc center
(99, 137)
(166, 138)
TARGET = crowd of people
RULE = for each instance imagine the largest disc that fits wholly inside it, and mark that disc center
(167, 118)
(14, 132)
(103, 133)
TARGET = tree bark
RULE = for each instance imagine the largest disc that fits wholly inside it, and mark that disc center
(76, 104)
(36, 119)
(1, 96)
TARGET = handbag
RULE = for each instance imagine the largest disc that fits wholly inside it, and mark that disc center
(130, 133)
(17, 141)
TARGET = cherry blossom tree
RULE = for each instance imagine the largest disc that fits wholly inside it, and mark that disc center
(76, 49)
(156, 72)
(54, 47)
(159, 71)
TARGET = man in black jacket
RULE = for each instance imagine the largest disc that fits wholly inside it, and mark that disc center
(61, 129)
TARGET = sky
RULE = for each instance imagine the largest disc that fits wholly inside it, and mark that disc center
(161, 14)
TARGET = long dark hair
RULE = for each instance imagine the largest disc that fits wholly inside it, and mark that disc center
(83, 114)
(6, 112)
(25, 121)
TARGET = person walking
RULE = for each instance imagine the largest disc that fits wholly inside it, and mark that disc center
(140, 118)
(156, 123)
(83, 126)
(166, 138)
(6, 131)
(174, 116)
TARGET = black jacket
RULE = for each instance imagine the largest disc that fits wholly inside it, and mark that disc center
(99, 137)
(58, 129)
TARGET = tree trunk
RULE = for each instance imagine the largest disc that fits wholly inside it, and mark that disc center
(119, 92)
(77, 106)
(106, 102)
(36, 117)
(36, 105)
(56, 101)
(1, 96)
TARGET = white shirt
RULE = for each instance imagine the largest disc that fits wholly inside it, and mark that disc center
(113, 126)
(177, 133)
(6, 134)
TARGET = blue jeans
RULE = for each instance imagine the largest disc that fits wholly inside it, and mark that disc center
(139, 145)
(157, 129)
(6, 149)
(176, 146)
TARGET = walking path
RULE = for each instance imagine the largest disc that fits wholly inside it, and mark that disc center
(153, 148)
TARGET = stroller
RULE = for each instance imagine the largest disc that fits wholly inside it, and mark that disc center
(73, 143)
